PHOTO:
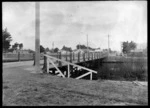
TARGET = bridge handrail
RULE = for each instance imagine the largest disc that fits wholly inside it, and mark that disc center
(70, 63)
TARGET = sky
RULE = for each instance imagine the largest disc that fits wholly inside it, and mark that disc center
(69, 23)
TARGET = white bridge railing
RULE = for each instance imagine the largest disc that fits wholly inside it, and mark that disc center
(50, 60)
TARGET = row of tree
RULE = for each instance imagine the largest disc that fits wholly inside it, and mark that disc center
(83, 47)
(128, 46)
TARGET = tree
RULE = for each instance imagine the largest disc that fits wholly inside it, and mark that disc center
(47, 49)
(20, 46)
(67, 48)
(6, 40)
(132, 45)
(42, 49)
(83, 47)
(128, 46)
(15, 46)
(56, 50)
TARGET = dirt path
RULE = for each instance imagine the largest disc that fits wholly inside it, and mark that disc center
(21, 87)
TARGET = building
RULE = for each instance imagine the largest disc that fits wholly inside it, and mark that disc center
(64, 52)
(76, 51)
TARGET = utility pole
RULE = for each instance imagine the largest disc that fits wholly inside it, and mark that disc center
(37, 37)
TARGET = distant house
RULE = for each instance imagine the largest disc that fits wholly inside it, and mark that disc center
(83, 51)
(64, 51)
(76, 51)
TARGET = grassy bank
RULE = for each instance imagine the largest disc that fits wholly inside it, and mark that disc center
(23, 88)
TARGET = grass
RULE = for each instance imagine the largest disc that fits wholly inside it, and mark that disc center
(23, 88)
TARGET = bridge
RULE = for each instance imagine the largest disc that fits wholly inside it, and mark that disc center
(67, 65)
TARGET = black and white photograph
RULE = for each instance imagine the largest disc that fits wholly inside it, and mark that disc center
(74, 53)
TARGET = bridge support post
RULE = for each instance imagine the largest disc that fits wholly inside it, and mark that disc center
(45, 63)
(68, 70)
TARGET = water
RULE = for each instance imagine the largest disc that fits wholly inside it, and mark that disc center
(128, 71)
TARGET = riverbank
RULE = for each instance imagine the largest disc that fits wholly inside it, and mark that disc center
(24, 88)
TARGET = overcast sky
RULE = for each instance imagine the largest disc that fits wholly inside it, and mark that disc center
(69, 23)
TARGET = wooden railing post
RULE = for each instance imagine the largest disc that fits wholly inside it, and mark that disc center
(57, 56)
(78, 56)
(96, 56)
(60, 64)
(84, 57)
(71, 57)
(88, 55)
(66, 55)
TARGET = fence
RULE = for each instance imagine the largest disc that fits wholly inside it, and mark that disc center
(17, 57)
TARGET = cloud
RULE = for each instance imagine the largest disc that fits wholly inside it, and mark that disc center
(68, 23)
